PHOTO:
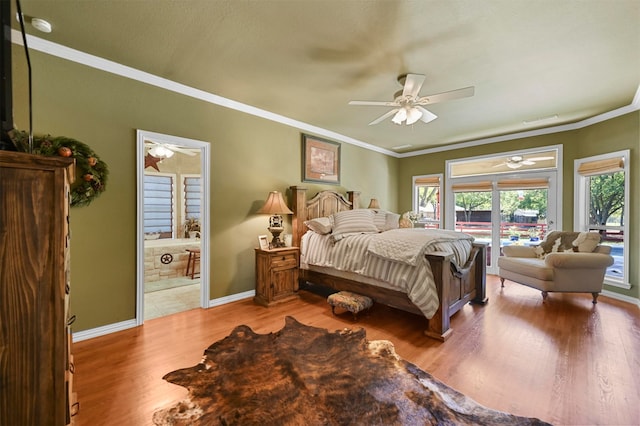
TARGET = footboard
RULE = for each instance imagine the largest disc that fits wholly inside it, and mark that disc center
(456, 287)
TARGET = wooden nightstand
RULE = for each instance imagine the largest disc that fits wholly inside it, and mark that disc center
(276, 275)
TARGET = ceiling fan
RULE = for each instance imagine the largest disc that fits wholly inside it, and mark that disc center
(166, 150)
(408, 105)
(517, 161)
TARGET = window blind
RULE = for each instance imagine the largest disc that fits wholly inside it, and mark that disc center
(523, 184)
(158, 203)
(600, 167)
(473, 187)
(428, 181)
(192, 197)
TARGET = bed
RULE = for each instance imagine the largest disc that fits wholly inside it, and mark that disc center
(456, 283)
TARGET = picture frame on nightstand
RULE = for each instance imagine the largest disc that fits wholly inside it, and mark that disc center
(263, 242)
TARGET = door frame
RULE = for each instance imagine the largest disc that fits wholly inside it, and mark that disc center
(205, 173)
(554, 194)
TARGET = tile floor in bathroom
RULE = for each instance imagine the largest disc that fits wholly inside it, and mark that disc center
(171, 296)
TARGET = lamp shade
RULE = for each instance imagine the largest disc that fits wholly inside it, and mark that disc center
(275, 204)
(374, 204)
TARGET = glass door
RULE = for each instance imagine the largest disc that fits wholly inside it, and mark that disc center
(519, 209)
(523, 213)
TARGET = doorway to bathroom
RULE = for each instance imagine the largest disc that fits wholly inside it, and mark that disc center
(173, 237)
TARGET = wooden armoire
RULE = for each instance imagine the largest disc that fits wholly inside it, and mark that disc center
(36, 368)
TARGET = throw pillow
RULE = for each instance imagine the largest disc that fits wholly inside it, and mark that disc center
(380, 219)
(587, 241)
(560, 241)
(319, 225)
(353, 221)
(392, 221)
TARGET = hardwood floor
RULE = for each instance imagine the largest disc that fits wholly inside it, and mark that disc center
(564, 361)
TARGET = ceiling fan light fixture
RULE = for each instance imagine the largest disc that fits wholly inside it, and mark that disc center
(400, 116)
(413, 115)
(161, 152)
(514, 165)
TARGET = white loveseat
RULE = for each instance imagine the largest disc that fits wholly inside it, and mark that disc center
(572, 262)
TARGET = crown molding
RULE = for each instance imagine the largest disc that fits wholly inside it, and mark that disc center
(106, 65)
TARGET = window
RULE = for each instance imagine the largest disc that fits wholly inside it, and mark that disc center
(192, 196)
(159, 205)
(426, 200)
(601, 205)
(505, 198)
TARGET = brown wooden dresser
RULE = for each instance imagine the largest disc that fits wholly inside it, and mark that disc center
(36, 368)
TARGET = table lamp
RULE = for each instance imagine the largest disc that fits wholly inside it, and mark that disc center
(276, 207)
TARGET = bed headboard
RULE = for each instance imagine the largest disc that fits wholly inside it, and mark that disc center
(325, 203)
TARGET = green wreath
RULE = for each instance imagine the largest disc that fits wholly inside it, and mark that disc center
(91, 172)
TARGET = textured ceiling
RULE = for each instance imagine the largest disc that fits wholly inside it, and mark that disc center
(307, 59)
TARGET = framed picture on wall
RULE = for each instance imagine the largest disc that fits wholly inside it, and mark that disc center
(320, 160)
(264, 242)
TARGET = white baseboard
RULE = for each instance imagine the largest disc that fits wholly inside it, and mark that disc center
(621, 297)
(104, 330)
(232, 298)
(125, 325)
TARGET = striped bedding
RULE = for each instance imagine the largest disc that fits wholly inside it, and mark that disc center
(407, 269)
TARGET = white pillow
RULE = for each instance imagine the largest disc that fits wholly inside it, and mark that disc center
(380, 219)
(353, 221)
(319, 225)
(392, 221)
(587, 241)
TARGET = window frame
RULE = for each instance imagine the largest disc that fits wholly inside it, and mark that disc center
(415, 200)
(581, 208)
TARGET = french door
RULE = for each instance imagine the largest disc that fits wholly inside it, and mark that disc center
(500, 210)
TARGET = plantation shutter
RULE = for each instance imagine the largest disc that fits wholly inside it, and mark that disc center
(158, 204)
(192, 197)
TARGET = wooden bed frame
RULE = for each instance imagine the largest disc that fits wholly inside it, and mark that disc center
(455, 287)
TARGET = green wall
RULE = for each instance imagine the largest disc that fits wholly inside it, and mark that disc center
(250, 156)
(613, 135)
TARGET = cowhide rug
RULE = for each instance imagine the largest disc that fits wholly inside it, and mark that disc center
(304, 375)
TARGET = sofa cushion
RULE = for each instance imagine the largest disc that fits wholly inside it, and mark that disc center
(529, 266)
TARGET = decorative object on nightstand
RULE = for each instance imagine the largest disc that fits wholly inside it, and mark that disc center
(374, 204)
(276, 207)
(276, 275)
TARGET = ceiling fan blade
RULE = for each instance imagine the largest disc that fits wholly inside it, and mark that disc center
(528, 162)
(374, 103)
(184, 151)
(384, 116)
(447, 96)
(412, 85)
(427, 116)
(540, 158)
